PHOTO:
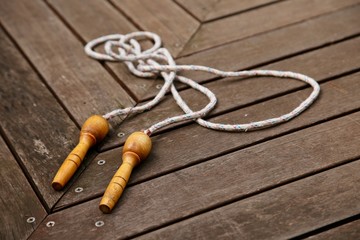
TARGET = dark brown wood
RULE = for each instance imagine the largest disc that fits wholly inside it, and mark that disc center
(37, 127)
(254, 22)
(100, 18)
(235, 93)
(296, 179)
(82, 84)
(239, 55)
(175, 149)
(277, 44)
(92, 19)
(347, 231)
(282, 213)
(213, 9)
(166, 18)
(233, 176)
(18, 200)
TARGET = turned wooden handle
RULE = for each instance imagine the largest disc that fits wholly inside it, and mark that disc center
(137, 147)
(93, 131)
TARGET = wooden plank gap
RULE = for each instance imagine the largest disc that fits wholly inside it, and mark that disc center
(326, 228)
(241, 11)
(127, 16)
(24, 170)
(187, 11)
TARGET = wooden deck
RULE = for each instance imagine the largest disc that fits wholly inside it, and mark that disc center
(297, 180)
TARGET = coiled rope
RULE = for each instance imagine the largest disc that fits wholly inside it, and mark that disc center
(148, 64)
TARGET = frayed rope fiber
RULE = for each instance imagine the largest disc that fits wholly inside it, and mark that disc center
(145, 64)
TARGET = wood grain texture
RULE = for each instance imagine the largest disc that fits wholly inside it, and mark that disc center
(192, 144)
(213, 9)
(229, 177)
(99, 18)
(347, 231)
(37, 127)
(166, 18)
(254, 22)
(82, 84)
(277, 44)
(92, 19)
(268, 46)
(199, 8)
(17, 198)
(282, 213)
(235, 93)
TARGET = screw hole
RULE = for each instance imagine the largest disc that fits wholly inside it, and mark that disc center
(79, 189)
(99, 224)
(30, 220)
(121, 134)
(101, 162)
(50, 224)
(159, 86)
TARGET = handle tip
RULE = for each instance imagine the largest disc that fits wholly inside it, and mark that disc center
(106, 205)
(57, 186)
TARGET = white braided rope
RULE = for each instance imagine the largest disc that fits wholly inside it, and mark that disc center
(147, 65)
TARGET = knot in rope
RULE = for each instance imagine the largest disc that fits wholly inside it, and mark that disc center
(156, 61)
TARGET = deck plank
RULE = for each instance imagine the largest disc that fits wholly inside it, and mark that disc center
(347, 231)
(235, 93)
(81, 83)
(328, 29)
(166, 18)
(240, 26)
(282, 213)
(277, 44)
(342, 92)
(22, 204)
(37, 127)
(195, 189)
(213, 9)
(92, 19)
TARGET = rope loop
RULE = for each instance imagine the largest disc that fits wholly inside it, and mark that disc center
(156, 61)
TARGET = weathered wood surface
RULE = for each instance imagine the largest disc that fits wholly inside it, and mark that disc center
(213, 9)
(282, 213)
(82, 84)
(347, 231)
(342, 92)
(267, 47)
(234, 93)
(194, 177)
(18, 201)
(237, 175)
(166, 18)
(38, 129)
(237, 27)
(278, 44)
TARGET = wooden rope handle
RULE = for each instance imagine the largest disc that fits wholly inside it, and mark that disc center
(93, 131)
(137, 147)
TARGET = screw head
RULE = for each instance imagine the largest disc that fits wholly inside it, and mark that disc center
(50, 224)
(30, 220)
(101, 162)
(99, 224)
(121, 134)
(79, 189)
